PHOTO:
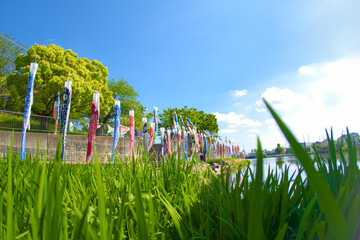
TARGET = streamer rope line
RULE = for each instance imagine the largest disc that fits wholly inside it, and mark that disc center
(13, 42)
(26, 49)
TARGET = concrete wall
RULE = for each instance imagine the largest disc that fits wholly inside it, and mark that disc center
(76, 145)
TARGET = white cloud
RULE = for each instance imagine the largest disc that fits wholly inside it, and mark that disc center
(282, 99)
(270, 121)
(260, 109)
(239, 93)
(271, 124)
(227, 130)
(306, 70)
(328, 100)
(236, 120)
(308, 105)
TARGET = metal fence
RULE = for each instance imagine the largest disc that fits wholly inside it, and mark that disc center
(14, 121)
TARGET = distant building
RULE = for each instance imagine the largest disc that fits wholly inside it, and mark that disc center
(344, 136)
(322, 143)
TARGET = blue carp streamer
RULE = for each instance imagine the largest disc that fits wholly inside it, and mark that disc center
(64, 116)
(156, 118)
(144, 131)
(58, 105)
(27, 110)
(116, 127)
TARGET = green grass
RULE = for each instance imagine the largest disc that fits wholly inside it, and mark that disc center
(11, 121)
(48, 199)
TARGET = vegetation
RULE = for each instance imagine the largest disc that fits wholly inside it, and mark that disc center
(123, 91)
(175, 200)
(279, 149)
(55, 65)
(9, 50)
(203, 121)
(11, 121)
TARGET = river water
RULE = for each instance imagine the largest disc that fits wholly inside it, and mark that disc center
(278, 164)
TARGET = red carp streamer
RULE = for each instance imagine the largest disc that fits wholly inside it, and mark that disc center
(94, 120)
(132, 132)
(152, 131)
(169, 141)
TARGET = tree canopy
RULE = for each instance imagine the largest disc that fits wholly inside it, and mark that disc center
(9, 50)
(55, 65)
(202, 121)
(279, 149)
(127, 95)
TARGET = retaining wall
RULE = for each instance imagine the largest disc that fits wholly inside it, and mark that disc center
(76, 145)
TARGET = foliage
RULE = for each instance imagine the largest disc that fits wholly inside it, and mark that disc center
(279, 149)
(202, 121)
(55, 65)
(174, 199)
(8, 52)
(127, 95)
(12, 121)
(335, 186)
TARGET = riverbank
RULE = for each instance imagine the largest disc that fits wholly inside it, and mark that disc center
(232, 164)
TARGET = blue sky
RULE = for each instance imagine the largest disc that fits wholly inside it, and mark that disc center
(218, 56)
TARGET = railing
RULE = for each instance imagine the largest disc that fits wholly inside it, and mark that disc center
(14, 121)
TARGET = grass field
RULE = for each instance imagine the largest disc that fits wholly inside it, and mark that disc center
(48, 199)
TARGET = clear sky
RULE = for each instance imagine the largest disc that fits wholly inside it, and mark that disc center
(221, 57)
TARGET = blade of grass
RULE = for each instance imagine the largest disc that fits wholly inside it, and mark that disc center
(281, 233)
(140, 216)
(101, 198)
(353, 167)
(9, 203)
(327, 202)
(255, 228)
(304, 219)
(173, 213)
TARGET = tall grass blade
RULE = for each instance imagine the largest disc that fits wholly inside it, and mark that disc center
(140, 216)
(58, 149)
(9, 203)
(353, 167)
(304, 219)
(328, 204)
(81, 224)
(37, 151)
(281, 233)
(255, 229)
(101, 198)
(173, 213)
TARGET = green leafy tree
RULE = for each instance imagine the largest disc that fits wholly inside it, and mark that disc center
(279, 149)
(127, 95)
(9, 50)
(55, 65)
(202, 121)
